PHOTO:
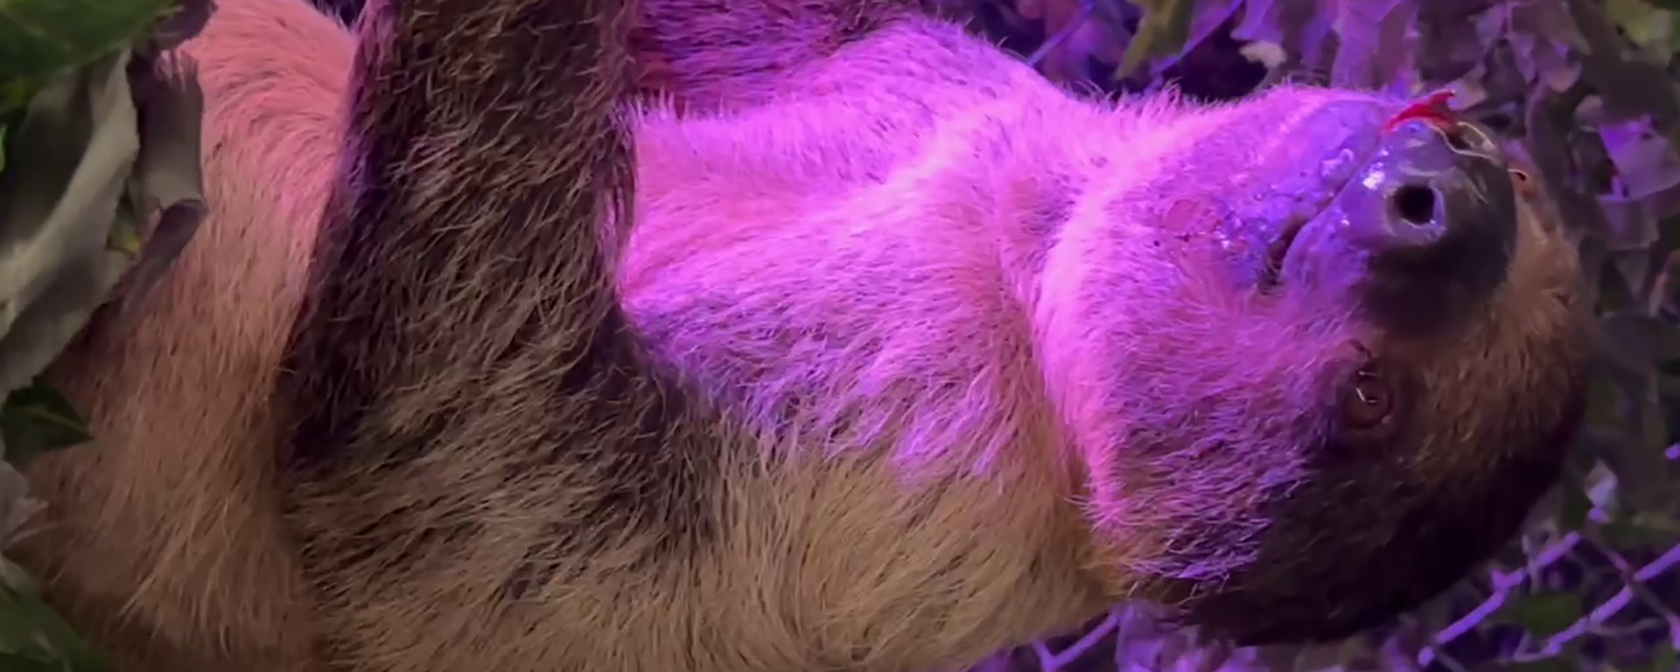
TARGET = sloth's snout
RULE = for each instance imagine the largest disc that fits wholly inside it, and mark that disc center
(1423, 231)
(1429, 187)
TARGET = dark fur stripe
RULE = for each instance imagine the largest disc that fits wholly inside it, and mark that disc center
(462, 317)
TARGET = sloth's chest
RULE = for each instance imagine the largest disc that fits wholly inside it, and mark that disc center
(848, 340)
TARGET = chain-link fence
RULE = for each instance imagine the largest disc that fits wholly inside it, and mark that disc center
(1603, 597)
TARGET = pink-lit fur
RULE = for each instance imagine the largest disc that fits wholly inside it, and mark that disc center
(942, 301)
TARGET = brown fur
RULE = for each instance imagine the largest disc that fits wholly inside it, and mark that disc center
(908, 356)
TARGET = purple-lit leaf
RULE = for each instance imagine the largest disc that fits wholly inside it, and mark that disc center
(1301, 27)
(1645, 163)
(1375, 50)
(1644, 340)
(1664, 659)
(1262, 21)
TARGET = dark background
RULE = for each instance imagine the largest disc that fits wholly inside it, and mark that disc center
(345, 9)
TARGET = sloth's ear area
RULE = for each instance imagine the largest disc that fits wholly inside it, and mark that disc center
(486, 163)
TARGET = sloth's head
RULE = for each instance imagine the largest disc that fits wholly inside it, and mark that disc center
(1317, 369)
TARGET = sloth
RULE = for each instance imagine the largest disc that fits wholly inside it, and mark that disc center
(773, 335)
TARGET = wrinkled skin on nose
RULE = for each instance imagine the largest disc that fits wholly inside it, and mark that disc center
(1351, 373)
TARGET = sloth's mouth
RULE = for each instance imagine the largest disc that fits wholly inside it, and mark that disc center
(1277, 250)
(1271, 275)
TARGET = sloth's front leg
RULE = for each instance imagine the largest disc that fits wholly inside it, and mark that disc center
(479, 440)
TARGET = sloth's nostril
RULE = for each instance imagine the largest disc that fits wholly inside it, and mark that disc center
(1414, 204)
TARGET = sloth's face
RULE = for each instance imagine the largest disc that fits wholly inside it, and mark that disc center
(1348, 360)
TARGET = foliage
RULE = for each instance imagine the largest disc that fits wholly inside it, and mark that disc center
(40, 39)
(55, 57)
(1585, 93)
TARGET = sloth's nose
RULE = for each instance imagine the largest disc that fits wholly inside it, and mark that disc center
(1425, 230)
(1436, 188)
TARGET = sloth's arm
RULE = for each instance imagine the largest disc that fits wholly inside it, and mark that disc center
(462, 277)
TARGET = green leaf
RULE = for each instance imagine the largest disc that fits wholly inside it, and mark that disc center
(1624, 535)
(25, 617)
(11, 662)
(17, 633)
(1541, 614)
(1574, 509)
(1670, 5)
(40, 39)
(1638, 531)
(1164, 30)
(37, 419)
(1664, 659)
(124, 238)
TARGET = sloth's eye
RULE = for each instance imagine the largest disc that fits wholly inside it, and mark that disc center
(1369, 399)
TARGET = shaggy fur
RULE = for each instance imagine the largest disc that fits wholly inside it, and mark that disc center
(878, 355)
